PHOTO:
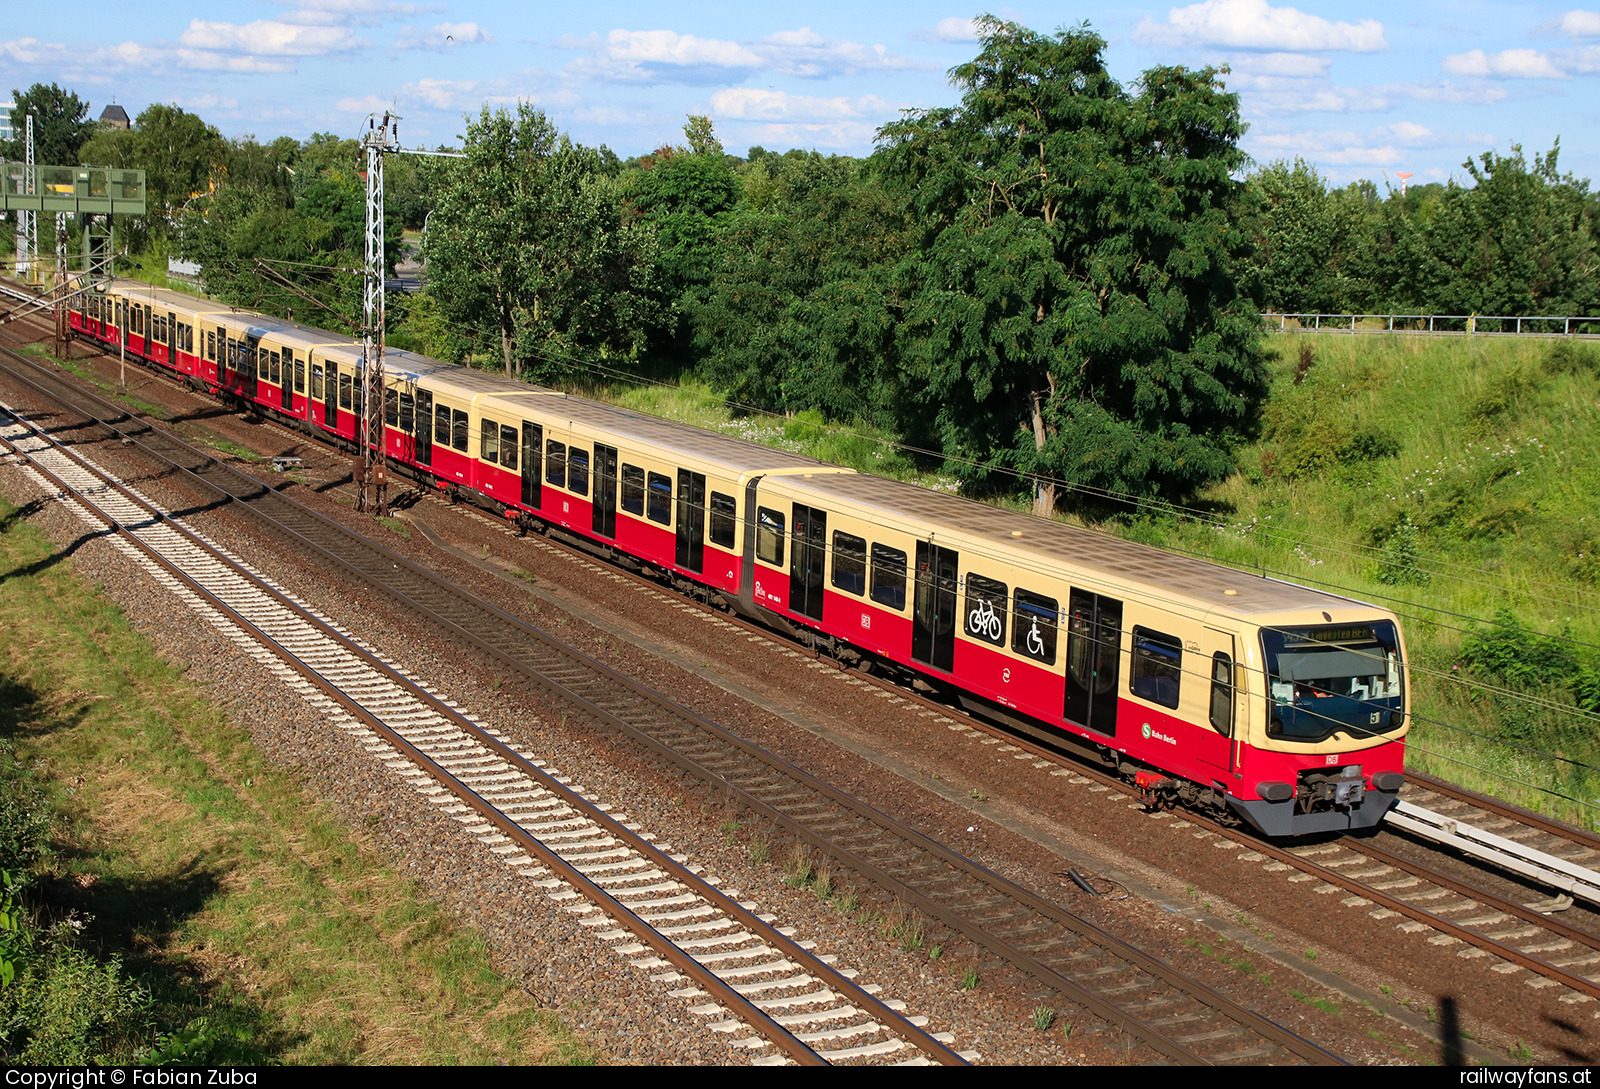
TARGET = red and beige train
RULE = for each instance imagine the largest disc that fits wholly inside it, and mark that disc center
(1284, 705)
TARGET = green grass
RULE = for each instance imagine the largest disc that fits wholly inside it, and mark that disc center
(234, 903)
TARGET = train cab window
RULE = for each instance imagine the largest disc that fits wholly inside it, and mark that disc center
(888, 576)
(1222, 694)
(408, 420)
(769, 536)
(391, 407)
(316, 381)
(508, 438)
(578, 470)
(346, 390)
(986, 609)
(555, 463)
(489, 441)
(724, 519)
(632, 489)
(660, 493)
(849, 562)
(441, 424)
(299, 374)
(1034, 633)
(1157, 667)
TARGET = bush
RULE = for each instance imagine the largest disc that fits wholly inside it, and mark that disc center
(1569, 357)
(1522, 659)
(1400, 568)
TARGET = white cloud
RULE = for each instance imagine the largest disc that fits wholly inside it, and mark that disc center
(349, 12)
(1277, 65)
(364, 105)
(752, 104)
(953, 29)
(1479, 93)
(205, 60)
(264, 38)
(667, 56)
(1254, 24)
(443, 37)
(1507, 64)
(1581, 24)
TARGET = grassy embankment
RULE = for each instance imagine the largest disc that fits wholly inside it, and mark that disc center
(185, 901)
(1454, 480)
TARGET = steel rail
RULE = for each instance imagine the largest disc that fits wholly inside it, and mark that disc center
(1126, 1021)
(725, 993)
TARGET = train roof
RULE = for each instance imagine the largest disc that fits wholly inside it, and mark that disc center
(1017, 537)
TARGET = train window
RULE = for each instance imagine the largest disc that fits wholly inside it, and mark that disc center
(1157, 667)
(489, 441)
(391, 407)
(769, 536)
(508, 438)
(578, 470)
(1222, 694)
(889, 576)
(441, 424)
(1035, 631)
(660, 499)
(316, 381)
(263, 364)
(300, 375)
(274, 369)
(408, 419)
(986, 609)
(632, 489)
(346, 389)
(724, 519)
(849, 562)
(211, 347)
(555, 463)
(459, 429)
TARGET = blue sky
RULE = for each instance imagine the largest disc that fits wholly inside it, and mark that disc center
(1363, 89)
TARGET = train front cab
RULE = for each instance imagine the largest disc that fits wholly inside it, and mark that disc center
(1324, 750)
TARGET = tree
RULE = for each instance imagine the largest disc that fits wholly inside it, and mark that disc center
(529, 239)
(1073, 308)
(177, 151)
(60, 125)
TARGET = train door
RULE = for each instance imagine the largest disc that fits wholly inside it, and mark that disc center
(423, 434)
(330, 397)
(286, 391)
(604, 511)
(171, 330)
(249, 350)
(806, 561)
(532, 466)
(1094, 648)
(1216, 744)
(933, 613)
(691, 520)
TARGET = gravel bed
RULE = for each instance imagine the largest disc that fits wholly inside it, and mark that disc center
(1026, 823)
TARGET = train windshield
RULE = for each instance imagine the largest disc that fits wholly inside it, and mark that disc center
(1335, 677)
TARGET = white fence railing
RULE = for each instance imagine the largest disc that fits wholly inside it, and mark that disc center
(1438, 324)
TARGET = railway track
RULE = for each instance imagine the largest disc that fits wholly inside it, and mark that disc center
(663, 915)
(1165, 1016)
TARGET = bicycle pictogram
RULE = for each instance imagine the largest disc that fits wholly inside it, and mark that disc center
(983, 621)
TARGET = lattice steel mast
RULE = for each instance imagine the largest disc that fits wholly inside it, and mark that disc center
(382, 138)
(27, 222)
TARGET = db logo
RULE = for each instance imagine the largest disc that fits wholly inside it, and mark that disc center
(866, 620)
(566, 508)
(1005, 675)
(1331, 759)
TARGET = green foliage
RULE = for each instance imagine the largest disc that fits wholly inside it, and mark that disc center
(1074, 306)
(1513, 655)
(1399, 566)
(68, 1007)
(60, 125)
(1519, 240)
(529, 247)
(1570, 357)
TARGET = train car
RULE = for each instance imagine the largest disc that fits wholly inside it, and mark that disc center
(1281, 705)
